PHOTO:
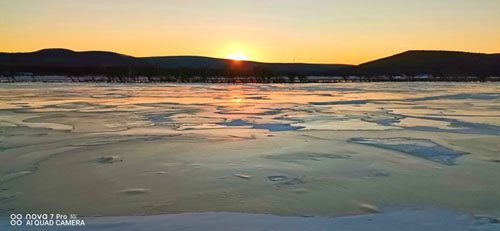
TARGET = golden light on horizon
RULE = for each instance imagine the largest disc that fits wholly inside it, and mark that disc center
(237, 57)
(333, 31)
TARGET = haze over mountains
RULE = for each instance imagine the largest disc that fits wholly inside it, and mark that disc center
(410, 63)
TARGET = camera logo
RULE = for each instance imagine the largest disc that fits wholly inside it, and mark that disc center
(16, 219)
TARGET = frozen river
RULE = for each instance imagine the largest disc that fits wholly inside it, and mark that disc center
(322, 150)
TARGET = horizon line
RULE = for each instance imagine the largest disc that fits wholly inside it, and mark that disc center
(254, 61)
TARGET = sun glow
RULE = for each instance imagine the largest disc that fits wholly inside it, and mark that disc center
(237, 57)
(236, 100)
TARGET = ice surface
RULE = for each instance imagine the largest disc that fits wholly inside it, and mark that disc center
(417, 147)
(177, 148)
(270, 127)
(341, 102)
(409, 220)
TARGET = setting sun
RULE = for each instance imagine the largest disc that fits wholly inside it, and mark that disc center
(237, 57)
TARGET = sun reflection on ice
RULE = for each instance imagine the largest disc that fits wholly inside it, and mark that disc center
(236, 100)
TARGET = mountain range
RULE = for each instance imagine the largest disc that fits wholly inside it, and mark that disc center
(64, 61)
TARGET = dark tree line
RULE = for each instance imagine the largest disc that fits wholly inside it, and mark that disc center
(157, 74)
(258, 74)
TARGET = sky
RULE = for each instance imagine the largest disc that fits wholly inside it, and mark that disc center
(312, 31)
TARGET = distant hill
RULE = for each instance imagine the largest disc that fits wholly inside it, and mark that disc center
(206, 62)
(68, 58)
(442, 65)
(438, 63)
(63, 58)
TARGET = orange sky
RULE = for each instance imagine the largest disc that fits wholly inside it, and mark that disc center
(314, 31)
